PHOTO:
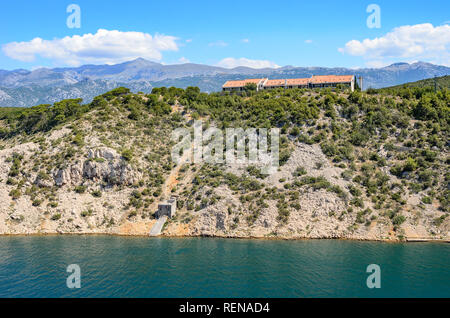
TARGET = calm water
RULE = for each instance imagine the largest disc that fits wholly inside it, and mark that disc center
(203, 267)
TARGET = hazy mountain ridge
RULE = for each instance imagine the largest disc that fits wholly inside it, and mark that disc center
(86, 89)
(137, 70)
(28, 88)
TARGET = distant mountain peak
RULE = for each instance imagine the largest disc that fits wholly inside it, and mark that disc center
(141, 62)
(399, 64)
(415, 64)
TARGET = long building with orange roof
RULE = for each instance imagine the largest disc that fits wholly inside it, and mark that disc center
(314, 81)
(240, 85)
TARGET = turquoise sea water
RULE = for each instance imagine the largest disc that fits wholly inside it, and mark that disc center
(207, 267)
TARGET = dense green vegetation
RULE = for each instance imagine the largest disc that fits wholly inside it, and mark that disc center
(442, 82)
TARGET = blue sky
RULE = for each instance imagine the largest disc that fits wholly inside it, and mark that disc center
(227, 33)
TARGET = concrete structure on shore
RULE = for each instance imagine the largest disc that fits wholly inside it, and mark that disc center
(315, 81)
(168, 208)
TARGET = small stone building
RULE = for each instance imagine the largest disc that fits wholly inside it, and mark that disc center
(168, 208)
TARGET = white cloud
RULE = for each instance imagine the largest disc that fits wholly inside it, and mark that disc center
(218, 43)
(105, 46)
(245, 40)
(308, 41)
(188, 40)
(421, 42)
(231, 62)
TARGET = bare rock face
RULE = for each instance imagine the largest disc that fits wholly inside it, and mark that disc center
(16, 217)
(446, 227)
(68, 175)
(122, 174)
(103, 164)
(212, 221)
(105, 153)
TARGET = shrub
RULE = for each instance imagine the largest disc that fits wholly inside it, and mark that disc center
(15, 194)
(398, 219)
(119, 91)
(354, 191)
(438, 221)
(96, 193)
(56, 217)
(347, 174)
(427, 200)
(86, 213)
(127, 154)
(410, 165)
(250, 87)
(295, 131)
(283, 213)
(52, 204)
(300, 171)
(132, 214)
(37, 202)
(136, 194)
(78, 139)
(80, 189)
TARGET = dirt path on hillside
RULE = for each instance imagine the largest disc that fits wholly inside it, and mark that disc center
(172, 179)
(143, 227)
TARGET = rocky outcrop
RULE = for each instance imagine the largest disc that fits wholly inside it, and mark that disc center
(68, 175)
(102, 164)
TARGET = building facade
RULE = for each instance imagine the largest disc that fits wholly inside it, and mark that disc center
(315, 81)
(168, 208)
(236, 86)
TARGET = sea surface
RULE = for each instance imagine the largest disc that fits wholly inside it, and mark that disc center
(208, 267)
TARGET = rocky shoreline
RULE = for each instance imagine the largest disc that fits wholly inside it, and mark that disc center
(408, 240)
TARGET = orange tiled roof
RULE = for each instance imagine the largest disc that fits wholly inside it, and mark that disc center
(242, 83)
(288, 81)
(297, 81)
(319, 79)
(275, 82)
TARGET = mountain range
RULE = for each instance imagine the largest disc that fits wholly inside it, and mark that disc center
(24, 88)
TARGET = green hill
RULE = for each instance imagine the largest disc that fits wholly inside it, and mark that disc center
(442, 82)
(354, 165)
